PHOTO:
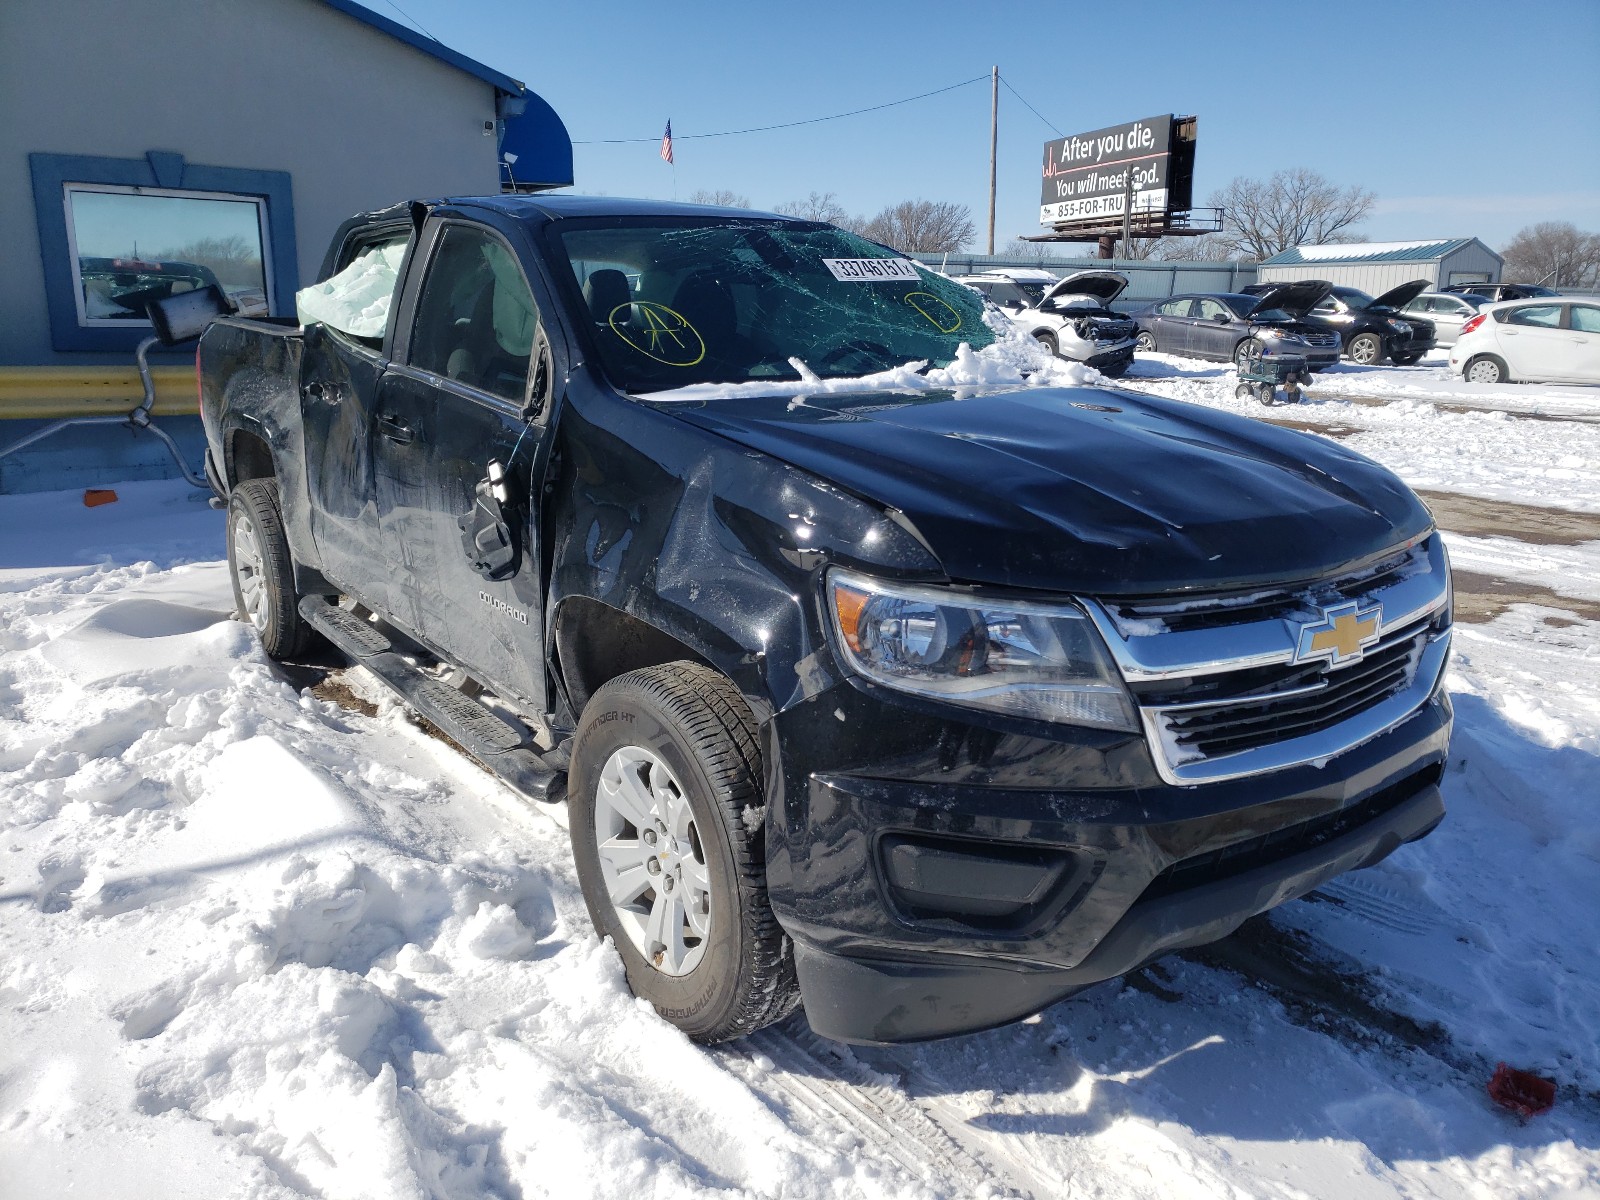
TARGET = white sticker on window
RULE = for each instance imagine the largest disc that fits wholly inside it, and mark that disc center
(872, 270)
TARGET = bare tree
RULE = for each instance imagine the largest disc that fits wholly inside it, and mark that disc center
(819, 206)
(232, 259)
(722, 198)
(1208, 247)
(1033, 251)
(1555, 253)
(1297, 207)
(922, 226)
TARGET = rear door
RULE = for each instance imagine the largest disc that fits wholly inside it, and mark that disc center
(339, 376)
(457, 399)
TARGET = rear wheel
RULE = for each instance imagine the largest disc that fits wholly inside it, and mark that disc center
(665, 776)
(1486, 368)
(262, 569)
(1366, 349)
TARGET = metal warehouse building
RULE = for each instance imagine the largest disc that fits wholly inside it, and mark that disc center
(1375, 267)
(188, 141)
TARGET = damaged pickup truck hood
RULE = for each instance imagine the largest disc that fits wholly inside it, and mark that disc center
(1085, 490)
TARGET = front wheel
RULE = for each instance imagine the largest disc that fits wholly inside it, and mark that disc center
(1406, 360)
(665, 777)
(1486, 368)
(1048, 341)
(1366, 349)
(262, 569)
(1248, 348)
(1145, 344)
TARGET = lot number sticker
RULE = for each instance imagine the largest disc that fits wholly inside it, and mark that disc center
(872, 270)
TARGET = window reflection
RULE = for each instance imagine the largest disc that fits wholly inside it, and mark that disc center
(134, 246)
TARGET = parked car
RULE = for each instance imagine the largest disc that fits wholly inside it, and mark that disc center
(1230, 327)
(1371, 329)
(1496, 292)
(930, 707)
(1071, 316)
(1446, 311)
(1531, 341)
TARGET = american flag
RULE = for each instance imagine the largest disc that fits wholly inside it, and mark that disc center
(666, 143)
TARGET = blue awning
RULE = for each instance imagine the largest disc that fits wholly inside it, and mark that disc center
(540, 143)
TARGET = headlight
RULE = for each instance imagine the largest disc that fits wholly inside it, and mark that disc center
(1282, 335)
(1399, 326)
(1046, 662)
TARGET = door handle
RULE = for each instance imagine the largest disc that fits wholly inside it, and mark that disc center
(393, 428)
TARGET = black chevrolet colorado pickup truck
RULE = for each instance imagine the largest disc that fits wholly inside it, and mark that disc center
(930, 705)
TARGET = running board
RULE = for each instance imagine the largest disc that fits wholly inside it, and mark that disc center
(493, 741)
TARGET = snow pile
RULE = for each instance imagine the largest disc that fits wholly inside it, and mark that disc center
(1013, 358)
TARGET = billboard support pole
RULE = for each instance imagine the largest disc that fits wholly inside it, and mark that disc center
(1127, 217)
(994, 131)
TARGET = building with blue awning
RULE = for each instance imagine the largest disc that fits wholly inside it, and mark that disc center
(171, 145)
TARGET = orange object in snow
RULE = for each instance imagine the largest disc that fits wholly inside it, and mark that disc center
(1523, 1092)
(94, 497)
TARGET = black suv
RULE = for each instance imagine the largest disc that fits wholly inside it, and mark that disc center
(1496, 292)
(1371, 329)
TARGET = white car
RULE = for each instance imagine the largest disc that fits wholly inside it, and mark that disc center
(1072, 317)
(1448, 311)
(1543, 340)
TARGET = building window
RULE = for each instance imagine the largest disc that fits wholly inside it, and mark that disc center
(129, 246)
(115, 233)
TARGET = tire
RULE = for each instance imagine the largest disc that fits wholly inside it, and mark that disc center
(1242, 392)
(1144, 344)
(1486, 368)
(1366, 349)
(1267, 394)
(1246, 348)
(675, 746)
(1117, 369)
(1048, 341)
(262, 569)
(1406, 360)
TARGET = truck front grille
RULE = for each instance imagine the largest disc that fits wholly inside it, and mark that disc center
(1238, 684)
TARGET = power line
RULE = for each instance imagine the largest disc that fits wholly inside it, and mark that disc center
(1030, 107)
(412, 19)
(786, 125)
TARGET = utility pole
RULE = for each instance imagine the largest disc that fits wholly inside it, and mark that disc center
(994, 132)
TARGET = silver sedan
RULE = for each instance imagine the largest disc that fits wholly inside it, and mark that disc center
(1448, 311)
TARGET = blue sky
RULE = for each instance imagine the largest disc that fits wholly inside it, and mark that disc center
(1466, 118)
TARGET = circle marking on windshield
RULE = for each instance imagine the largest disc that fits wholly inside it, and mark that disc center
(915, 299)
(666, 333)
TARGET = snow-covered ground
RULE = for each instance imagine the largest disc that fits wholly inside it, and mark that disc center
(260, 944)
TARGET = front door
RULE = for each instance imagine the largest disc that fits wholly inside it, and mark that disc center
(1212, 332)
(452, 407)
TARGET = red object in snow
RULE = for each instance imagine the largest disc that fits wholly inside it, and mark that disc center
(95, 497)
(1523, 1092)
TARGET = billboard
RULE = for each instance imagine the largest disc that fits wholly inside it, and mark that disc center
(1086, 176)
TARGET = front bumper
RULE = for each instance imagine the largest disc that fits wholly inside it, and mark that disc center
(921, 909)
(1110, 356)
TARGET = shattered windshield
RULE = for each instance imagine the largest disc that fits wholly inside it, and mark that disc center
(677, 301)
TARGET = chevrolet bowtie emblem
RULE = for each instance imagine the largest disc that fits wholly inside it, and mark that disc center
(1343, 634)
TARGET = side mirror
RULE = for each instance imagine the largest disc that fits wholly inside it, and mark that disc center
(1222, 318)
(185, 315)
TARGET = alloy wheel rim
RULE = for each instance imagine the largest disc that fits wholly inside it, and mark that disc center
(249, 570)
(1362, 352)
(652, 860)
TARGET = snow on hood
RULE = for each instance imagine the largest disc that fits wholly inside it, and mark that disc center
(1013, 358)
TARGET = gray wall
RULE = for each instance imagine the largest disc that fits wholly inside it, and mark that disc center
(1147, 279)
(359, 119)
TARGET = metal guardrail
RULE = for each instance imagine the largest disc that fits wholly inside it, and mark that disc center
(35, 392)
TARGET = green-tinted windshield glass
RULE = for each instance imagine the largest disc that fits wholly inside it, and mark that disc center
(682, 301)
